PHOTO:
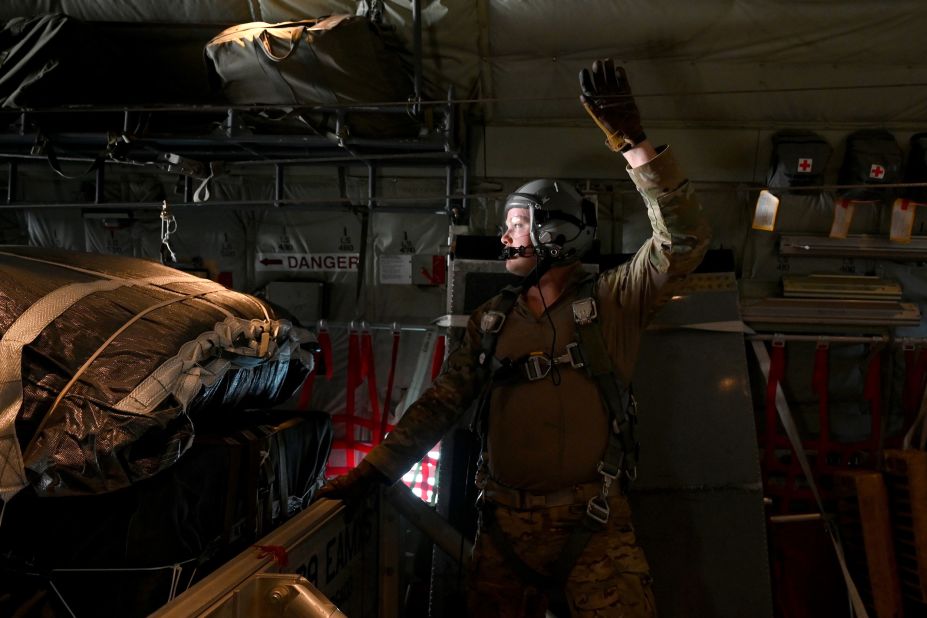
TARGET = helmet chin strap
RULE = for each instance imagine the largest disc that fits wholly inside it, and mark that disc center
(544, 253)
(543, 262)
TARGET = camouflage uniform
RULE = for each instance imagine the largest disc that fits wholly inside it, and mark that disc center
(548, 436)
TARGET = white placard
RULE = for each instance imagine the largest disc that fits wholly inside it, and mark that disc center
(396, 269)
(307, 262)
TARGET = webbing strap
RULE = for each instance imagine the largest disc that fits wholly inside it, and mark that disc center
(390, 380)
(351, 385)
(524, 572)
(918, 427)
(504, 303)
(22, 332)
(872, 392)
(325, 342)
(572, 549)
(820, 382)
(370, 372)
(915, 362)
(155, 281)
(77, 374)
(621, 449)
(791, 431)
(203, 361)
(325, 353)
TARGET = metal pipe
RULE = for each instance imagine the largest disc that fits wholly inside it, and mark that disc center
(422, 158)
(278, 184)
(821, 338)
(312, 205)
(360, 325)
(464, 202)
(365, 237)
(417, 51)
(12, 170)
(448, 189)
(98, 195)
(298, 602)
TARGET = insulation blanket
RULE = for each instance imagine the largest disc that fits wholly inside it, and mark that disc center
(106, 362)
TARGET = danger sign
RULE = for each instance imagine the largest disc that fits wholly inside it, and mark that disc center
(308, 262)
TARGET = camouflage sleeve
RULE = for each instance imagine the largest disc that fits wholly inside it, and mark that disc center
(630, 294)
(435, 412)
(680, 238)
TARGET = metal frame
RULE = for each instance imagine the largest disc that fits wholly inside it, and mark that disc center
(35, 139)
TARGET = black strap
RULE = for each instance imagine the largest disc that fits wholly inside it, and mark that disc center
(573, 548)
(621, 451)
(553, 584)
(525, 573)
(503, 304)
(56, 165)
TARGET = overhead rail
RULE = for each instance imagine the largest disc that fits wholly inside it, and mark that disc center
(199, 143)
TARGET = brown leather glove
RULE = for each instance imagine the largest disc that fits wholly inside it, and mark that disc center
(606, 95)
(354, 486)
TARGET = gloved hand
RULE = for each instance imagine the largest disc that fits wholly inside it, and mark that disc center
(606, 95)
(354, 486)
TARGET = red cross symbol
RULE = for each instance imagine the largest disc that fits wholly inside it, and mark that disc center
(876, 171)
(804, 165)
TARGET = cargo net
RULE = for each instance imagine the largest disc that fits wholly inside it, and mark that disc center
(108, 362)
(359, 431)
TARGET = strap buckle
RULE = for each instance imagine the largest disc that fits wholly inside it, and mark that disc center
(609, 472)
(491, 322)
(597, 509)
(537, 366)
(584, 311)
(573, 355)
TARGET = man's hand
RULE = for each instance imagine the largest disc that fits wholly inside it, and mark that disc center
(606, 95)
(353, 487)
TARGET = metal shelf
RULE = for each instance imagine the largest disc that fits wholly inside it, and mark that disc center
(195, 141)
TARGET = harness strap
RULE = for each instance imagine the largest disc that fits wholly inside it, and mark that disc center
(621, 451)
(525, 573)
(552, 585)
(491, 326)
(619, 460)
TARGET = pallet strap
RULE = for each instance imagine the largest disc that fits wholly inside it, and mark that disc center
(820, 382)
(785, 416)
(390, 381)
(25, 329)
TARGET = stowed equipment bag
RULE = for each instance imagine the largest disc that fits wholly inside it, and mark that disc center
(872, 157)
(107, 361)
(330, 61)
(799, 159)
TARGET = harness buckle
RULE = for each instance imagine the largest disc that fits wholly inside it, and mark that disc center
(537, 366)
(491, 322)
(584, 311)
(575, 355)
(597, 509)
(609, 472)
